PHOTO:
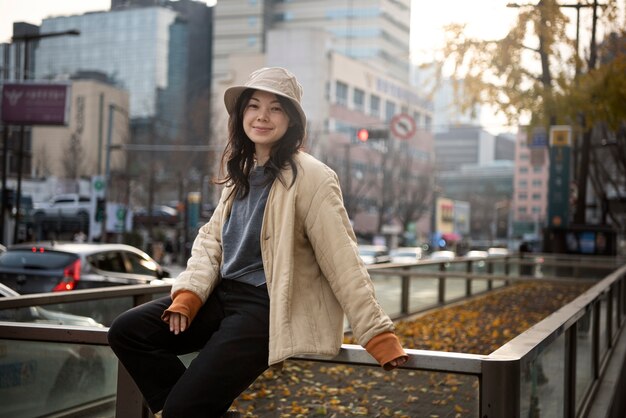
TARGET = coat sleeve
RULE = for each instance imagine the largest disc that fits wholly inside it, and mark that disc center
(331, 235)
(203, 267)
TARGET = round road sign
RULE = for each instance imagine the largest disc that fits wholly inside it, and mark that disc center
(403, 126)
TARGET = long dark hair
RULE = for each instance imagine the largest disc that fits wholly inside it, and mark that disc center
(238, 156)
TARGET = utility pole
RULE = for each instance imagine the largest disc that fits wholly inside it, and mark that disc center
(580, 215)
(26, 40)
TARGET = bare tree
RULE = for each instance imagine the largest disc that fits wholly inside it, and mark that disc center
(73, 157)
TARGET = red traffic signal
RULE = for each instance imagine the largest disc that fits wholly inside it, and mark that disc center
(363, 134)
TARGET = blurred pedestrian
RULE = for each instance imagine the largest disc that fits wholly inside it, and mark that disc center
(270, 275)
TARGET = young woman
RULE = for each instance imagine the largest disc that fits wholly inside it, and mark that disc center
(270, 275)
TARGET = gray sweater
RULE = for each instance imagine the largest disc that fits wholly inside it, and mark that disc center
(241, 245)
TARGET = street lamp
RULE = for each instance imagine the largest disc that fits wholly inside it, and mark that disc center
(26, 39)
(107, 166)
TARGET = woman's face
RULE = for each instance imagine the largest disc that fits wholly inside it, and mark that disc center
(265, 122)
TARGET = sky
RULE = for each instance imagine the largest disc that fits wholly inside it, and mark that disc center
(487, 19)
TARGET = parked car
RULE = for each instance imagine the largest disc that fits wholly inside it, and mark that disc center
(52, 266)
(477, 254)
(39, 379)
(160, 214)
(442, 255)
(406, 255)
(69, 205)
(374, 254)
(497, 251)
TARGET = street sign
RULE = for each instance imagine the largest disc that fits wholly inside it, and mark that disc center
(35, 103)
(561, 136)
(403, 126)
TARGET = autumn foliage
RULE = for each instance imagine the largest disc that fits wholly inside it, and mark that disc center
(479, 326)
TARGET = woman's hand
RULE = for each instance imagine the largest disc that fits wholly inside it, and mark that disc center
(396, 363)
(177, 321)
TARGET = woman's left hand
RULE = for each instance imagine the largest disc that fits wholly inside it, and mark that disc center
(396, 363)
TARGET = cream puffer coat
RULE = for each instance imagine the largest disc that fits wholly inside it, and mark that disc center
(311, 261)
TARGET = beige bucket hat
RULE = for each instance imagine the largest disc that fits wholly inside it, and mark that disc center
(274, 80)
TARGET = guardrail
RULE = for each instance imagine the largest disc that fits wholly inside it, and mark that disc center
(581, 346)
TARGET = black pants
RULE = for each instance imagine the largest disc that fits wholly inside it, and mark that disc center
(230, 333)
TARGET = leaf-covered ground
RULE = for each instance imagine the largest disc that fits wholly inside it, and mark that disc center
(479, 326)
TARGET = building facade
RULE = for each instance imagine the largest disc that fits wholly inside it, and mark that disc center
(460, 145)
(81, 148)
(160, 52)
(489, 189)
(372, 31)
(341, 96)
(530, 197)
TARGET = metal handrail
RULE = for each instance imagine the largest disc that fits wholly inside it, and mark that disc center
(498, 372)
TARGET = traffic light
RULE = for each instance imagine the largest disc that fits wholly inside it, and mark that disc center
(365, 134)
(100, 208)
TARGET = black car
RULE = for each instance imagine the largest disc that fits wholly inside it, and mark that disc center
(56, 266)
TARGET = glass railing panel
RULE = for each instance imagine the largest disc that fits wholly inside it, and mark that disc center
(584, 357)
(479, 286)
(615, 312)
(103, 311)
(498, 266)
(424, 293)
(543, 383)
(40, 379)
(310, 389)
(424, 290)
(388, 293)
(455, 289)
(514, 266)
(603, 343)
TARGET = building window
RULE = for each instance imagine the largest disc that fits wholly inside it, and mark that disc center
(521, 209)
(390, 110)
(522, 196)
(537, 169)
(523, 170)
(359, 100)
(536, 209)
(251, 40)
(283, 17)
(252, 21)
(375, 106)
(428, 123)
(537, 182)
(341, 93)
(524, 157)
(536, 196)
(522, 184)
(417, 116)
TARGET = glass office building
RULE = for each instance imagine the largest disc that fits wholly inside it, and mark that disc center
(142, 49)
